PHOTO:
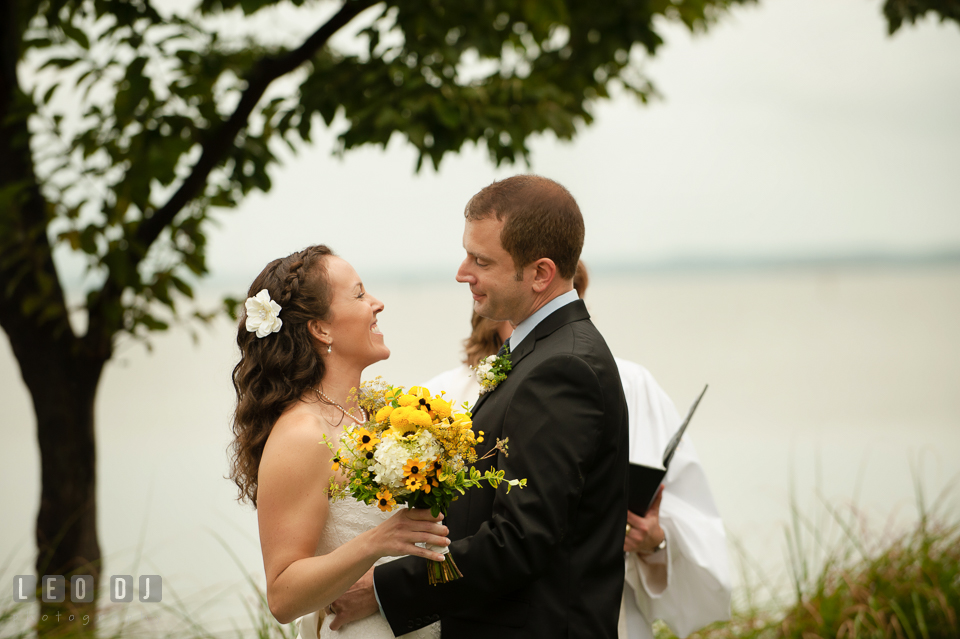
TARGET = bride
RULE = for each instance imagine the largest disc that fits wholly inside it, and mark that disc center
(309, 330)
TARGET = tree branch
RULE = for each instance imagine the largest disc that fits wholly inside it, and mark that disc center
(214, 150)
(32, 302)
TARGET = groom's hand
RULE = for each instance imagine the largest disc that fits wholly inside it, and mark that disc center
(644, 534)
(356, 603)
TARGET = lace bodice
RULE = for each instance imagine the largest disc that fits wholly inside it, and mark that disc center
(346, 519)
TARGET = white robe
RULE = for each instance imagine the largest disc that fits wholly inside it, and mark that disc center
(688, 584)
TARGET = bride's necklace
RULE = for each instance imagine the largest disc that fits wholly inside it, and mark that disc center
(344, 410)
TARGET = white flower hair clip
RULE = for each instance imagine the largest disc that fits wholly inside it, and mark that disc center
(263, 314)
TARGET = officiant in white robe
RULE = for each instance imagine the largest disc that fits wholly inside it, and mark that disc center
(687, 583)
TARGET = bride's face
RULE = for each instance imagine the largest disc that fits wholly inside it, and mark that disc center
(352, 325)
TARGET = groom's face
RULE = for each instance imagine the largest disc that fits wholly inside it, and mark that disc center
(490, 272)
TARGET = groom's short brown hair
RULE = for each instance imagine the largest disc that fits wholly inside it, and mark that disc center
(541, 219)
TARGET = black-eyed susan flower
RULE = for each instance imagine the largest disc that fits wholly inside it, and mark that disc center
(414, 469)
(336, 463)
(385, 500)
(365, 439)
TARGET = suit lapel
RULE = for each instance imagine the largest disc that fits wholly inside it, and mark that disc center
(572, 312)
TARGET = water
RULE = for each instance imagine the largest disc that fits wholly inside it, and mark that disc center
(831, 380)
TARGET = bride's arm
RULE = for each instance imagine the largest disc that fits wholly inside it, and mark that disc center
(292, 508)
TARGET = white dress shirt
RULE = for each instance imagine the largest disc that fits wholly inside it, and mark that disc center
(526, 327)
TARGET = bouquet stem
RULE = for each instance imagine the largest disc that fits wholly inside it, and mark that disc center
(441, 572)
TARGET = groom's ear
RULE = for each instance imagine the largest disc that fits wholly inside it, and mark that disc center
(544, 272)
(319, 331)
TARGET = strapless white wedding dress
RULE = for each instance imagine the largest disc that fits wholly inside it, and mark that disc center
(346, 519)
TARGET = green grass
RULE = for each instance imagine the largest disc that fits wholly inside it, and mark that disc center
(904, 586)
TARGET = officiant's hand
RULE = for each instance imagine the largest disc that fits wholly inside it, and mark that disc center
(356, 603)
(644, 534)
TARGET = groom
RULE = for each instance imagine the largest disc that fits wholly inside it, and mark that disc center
(545, 561)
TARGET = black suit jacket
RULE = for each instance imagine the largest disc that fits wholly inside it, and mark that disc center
(545, 561)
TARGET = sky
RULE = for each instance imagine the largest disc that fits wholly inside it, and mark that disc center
(793, 129)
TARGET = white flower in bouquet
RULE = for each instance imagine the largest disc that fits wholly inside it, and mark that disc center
(388, 461)
(394, 453)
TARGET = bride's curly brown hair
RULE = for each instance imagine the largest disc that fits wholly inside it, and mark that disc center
(274, 371)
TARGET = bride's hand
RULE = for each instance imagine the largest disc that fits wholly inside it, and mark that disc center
(398, 535)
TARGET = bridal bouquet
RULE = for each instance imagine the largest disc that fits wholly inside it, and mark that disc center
(414, 450)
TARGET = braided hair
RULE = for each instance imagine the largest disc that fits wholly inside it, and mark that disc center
(274, 371)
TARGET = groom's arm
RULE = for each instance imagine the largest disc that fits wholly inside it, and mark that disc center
(555, 422)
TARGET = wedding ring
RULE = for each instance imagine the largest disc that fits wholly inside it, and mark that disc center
(333, 610)
(629, 529)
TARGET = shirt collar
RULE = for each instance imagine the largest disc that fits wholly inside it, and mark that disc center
(526, 327)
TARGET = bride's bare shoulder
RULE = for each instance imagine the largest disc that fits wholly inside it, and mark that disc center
(298, 434)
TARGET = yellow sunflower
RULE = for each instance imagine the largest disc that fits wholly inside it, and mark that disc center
(365, 439)
(385, 500)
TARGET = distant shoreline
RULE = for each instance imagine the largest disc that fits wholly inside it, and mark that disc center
(229, 283)
(683, 265)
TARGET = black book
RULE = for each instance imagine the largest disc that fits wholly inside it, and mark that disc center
(643, 481)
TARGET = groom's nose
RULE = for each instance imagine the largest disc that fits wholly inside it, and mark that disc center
(463, 275)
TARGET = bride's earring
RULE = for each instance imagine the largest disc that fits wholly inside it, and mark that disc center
(329, 348)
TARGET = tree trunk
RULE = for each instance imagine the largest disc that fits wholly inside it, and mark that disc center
(64, 390)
